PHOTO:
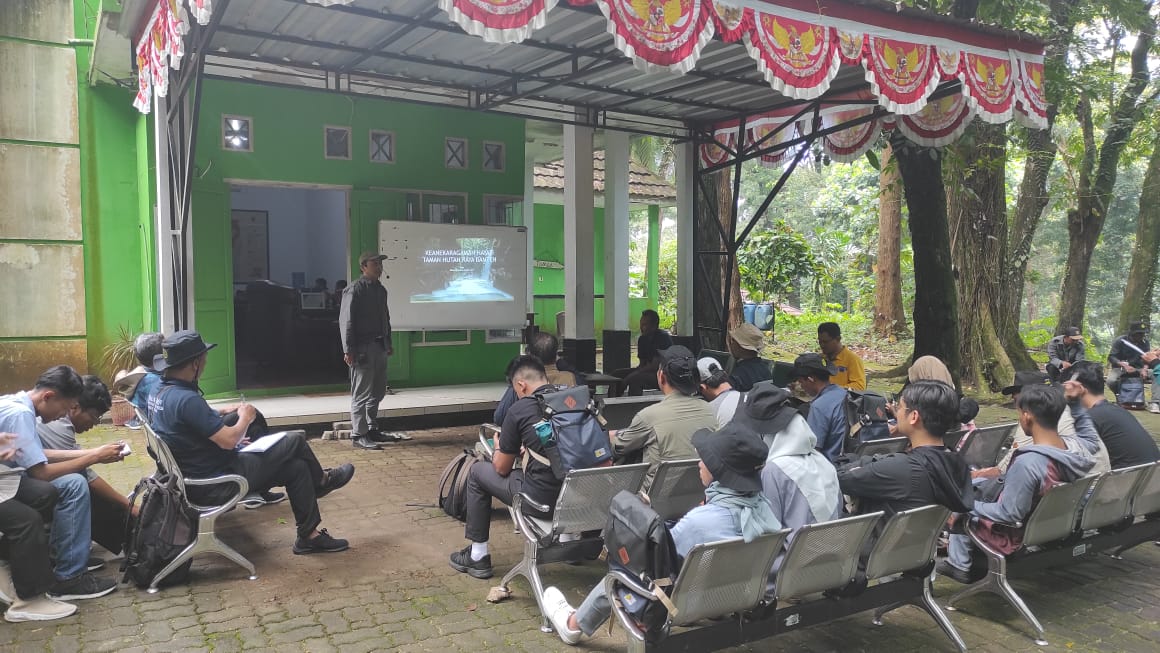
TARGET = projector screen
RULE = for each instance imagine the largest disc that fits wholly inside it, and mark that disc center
(453, 276)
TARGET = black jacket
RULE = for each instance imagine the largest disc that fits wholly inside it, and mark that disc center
(901, 481)
(364, 315)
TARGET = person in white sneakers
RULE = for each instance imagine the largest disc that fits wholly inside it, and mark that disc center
(24, 501)
(731, 463)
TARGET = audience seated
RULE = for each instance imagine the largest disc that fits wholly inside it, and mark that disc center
(928, 473)
(664, 430)
(544, 347)
(1075, 427)
(1034, 470)
(649, 344)
(109, 509)
(26, 505)
(498, 478)
(731, 463)
(55, 394)
(205, 445)
(717, 390)
(142, 382)
(745, 343)
(827, 416)
(849, 372)
(1126, 440)
(800, 483)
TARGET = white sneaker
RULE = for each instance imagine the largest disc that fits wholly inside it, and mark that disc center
(558, 611)
(1154, 408)
(41, 608)
(7, 589)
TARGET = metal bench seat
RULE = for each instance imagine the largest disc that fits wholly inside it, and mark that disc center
(676, 488)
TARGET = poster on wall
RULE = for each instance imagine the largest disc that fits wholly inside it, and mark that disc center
(251, 230)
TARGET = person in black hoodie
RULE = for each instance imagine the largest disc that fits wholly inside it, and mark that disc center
(928, 473)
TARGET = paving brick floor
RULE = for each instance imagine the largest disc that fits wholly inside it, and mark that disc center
(393, 590)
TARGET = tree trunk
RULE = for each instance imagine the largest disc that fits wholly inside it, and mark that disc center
(977, 214)
(1142, 274)
(889, 314)
(1086, 220)
(936, 320)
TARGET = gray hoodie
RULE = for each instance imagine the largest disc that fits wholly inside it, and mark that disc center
(1034, 470)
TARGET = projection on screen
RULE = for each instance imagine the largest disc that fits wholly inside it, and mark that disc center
(454, 276)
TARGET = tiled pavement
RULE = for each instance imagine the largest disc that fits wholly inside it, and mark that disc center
(393, 591)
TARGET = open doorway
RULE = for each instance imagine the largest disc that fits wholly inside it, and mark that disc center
(290, 261)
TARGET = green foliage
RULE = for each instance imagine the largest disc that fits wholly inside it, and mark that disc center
(774, 261)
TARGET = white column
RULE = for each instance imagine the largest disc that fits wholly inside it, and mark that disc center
(616, 159)
(529, 221)
(162, 231)
(686, 177)
(579, 256)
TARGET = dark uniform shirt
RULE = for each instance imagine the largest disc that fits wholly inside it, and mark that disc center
(185, 421)
(649, 345)
(1125, 351)
(364, 316)
(1060, 352)
(1127, 442)
(519, 429)
(748, 371)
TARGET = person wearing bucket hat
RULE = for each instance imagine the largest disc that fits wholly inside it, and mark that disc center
(849, 371)
(827, 416)
(364, 326)
(745, 343)
(1063, 351)
(205, 445)
(664, 430)
(730, 466)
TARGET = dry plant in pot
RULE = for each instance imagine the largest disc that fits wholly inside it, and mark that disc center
(119, 355)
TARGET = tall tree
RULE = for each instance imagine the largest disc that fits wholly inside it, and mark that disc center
(889, 314)
(1097, 175)
(936, 318)
(1142, 273)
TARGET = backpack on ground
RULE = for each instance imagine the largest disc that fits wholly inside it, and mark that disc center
(163, 527)
(453, 484)
(638, 546)
(572, 431)
(866, 414)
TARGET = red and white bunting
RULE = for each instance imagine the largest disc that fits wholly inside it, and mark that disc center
(499, 21)
(162, 46)
(660, 35)
(797, 59)
(989, 84)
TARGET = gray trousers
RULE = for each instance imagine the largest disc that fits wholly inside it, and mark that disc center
(594, 611)
(368, 386)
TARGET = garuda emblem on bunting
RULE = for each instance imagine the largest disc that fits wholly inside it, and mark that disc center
(660, 32)
(732, 22)
(991, 84)
(795, 47)
(902, 73)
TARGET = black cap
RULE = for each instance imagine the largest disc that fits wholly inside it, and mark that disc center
(1027, 377)
(370, 256)
(178, 348)
(1137, 326)
(680, 368)
(812, 365)
(734, 456)
(1072, 332)
(764, 410)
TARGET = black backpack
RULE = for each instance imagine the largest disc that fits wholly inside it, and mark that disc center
(866, 414)
(453, 484)
(572, 431)
(637, 544)
(163, 527)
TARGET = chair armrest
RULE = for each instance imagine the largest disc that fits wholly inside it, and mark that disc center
(626, 622)
(542, 508)
(243, 488)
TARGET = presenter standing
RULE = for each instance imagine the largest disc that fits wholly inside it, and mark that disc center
(364, 323)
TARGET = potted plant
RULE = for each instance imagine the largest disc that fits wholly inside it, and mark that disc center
(119, 355)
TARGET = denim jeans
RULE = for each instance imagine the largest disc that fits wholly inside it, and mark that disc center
(71, 526)
(959, 552)
(594, 611)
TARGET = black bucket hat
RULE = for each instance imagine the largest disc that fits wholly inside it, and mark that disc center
(178, 348)
(734, 456)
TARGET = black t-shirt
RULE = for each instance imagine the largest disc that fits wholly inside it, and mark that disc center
(519, 429)
(748, 371)
(649, 345)
(1127, 442)
(182, 418)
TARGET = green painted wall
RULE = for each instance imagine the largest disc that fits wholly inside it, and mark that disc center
(116, 227)
(288, 147)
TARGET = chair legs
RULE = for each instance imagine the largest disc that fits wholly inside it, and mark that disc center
(996, 583)
(528, 567)
(205, 541)
(927, 604)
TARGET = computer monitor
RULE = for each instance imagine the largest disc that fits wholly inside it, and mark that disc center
(313, 301)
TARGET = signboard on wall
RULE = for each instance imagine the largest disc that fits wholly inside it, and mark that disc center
(251, 236)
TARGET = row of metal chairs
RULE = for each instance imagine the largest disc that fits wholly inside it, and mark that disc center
(1114, 511)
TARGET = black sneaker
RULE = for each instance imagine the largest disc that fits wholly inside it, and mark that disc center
(259, 499)
(364, 442)
(85, 586)
(332, 479)
(95, 563)
(461, 561)
(321, 543)
(273, 497)
(952, 572)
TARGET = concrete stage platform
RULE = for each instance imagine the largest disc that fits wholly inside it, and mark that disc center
(296, 410)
